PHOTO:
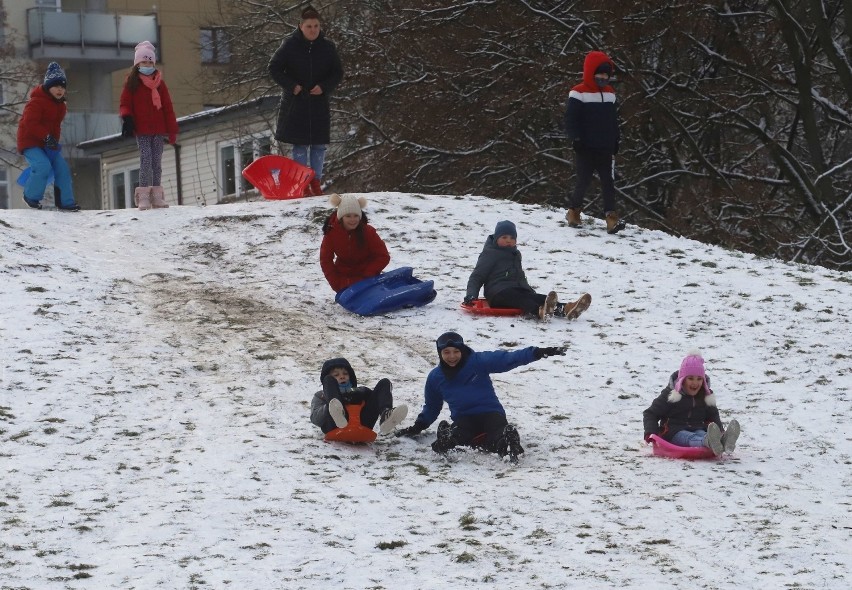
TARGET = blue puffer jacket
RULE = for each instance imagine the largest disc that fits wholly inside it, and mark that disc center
(470, 391)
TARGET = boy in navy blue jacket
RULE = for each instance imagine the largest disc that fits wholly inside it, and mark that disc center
(462, 380)
(591, 123)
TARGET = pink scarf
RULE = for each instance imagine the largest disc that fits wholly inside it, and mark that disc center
(153, 82)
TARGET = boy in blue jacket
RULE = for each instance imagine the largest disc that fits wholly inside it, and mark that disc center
(462, 380)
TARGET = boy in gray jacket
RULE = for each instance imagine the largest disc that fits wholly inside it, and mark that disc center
(500, 270)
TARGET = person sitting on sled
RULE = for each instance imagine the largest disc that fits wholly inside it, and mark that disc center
(462, 380)
(685, 412)
(351, 249)
(340, 387)
(500, 270)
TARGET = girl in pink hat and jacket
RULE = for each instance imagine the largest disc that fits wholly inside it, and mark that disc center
(685, 412)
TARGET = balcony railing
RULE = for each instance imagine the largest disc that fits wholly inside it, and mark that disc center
(87, 35)
(82, 126)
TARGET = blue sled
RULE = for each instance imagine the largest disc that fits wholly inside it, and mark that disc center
(387, 292)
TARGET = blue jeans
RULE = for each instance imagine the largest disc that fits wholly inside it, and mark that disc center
(41, 162)
(685, 438)
(300, 155)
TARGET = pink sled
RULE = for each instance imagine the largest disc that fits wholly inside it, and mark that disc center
(663, 448)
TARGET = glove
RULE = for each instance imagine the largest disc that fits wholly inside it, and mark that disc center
(412, 430)
(577, 145)
(543, 353)
(468, 300)
(648, 436)
(127, 126)
(51, 143)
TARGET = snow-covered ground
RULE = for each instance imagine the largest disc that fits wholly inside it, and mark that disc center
(158, 367)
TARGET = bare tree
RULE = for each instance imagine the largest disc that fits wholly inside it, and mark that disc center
(735, 115)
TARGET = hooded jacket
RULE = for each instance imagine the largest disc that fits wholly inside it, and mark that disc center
(469, 390)
(347, 257)
(43, 116)
(305, 119)
(498, 269)
(591, 117)
(673, 411)
(319, 402)
(147, 119)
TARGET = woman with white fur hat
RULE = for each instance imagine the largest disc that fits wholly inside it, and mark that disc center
(351, 249)
(685, 412)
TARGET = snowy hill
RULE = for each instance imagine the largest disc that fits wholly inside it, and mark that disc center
(158, 368)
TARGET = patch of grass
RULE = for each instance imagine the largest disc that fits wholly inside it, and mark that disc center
(465, 557)
(20, 435)
(466, 522)
(60, 503)
(36, 290)
(383, 545)
(559, 417)
(799, 307)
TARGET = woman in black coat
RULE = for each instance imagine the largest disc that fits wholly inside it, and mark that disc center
(308, 68)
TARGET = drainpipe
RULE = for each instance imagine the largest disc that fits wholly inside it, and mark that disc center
(178, 174)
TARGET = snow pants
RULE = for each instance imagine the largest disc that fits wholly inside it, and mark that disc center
(42, 162)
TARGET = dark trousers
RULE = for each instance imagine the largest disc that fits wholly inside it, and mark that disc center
(482, 431)
(520, 298)
(376, 400)
(588, 162)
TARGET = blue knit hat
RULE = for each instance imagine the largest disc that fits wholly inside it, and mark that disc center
(55, 76)
(505, 228)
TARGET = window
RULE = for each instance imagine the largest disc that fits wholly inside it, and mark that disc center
(215, 48)
(236, 156)
(2, 94)
(122, 185)
(4, 187)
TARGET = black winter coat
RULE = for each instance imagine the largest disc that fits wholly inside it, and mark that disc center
(305, 119)
(498, 269)
(673, 411)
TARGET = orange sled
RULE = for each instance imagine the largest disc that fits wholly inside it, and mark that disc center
(354, 431)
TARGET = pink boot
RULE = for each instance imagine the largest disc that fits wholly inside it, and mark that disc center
(142, 197)
(158, 200)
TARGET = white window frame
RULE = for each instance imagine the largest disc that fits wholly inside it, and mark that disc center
(258, 142)
(129, 187)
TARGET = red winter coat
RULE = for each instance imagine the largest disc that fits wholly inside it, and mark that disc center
(42, 116)
(146, 119)
(346, 257)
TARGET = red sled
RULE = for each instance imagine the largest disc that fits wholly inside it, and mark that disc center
(278, 178)
(354, 431)
(663, 448)
(480, 307)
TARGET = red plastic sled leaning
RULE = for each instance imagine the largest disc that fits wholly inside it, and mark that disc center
(354, 431)
(277, 177)
(663, 448)
(480, 307)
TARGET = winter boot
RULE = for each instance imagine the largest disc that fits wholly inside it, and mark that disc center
(142, 197)
(729, 438)
(335, 410)
(573, 217)
(445, 441)
(550, 303)
(158, 199)
(613, 223)
(571, 311)
(714, 439)
(510, 444)
(391, 418)
(316, 189)
(32, 204)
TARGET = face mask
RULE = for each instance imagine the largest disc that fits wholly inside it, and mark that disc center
(601, 82)
(146, 70)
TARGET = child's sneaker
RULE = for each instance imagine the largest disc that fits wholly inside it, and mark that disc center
(335, 410)
(573, 310)
(714, 439)
(391, 418)
(550, 303)
(729, 438)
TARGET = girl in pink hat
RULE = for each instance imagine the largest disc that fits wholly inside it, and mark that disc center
(685, 412)
(147, 113)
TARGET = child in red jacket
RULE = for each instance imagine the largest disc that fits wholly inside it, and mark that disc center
(351, 249)
(38, 141)
(146, 111)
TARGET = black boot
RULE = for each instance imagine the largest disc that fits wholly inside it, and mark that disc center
(445, 440)
(510, 444)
